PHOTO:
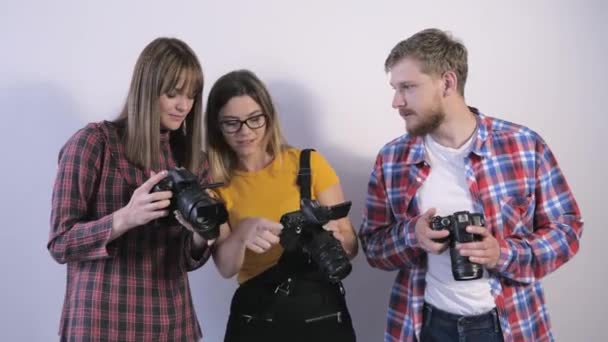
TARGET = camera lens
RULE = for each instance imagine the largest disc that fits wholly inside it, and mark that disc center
(327, 252)
(462, 268)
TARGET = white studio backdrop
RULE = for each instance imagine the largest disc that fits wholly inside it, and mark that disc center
(66, 63)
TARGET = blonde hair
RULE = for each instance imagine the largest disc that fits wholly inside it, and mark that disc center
(436, 51)
(222, 158)
(161, 66)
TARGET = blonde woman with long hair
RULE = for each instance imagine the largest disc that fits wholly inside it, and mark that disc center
(127, 258)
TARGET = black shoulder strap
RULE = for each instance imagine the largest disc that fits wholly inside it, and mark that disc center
(304, 174)
(292, 262)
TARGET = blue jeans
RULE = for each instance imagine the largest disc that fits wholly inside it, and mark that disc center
(438, 325)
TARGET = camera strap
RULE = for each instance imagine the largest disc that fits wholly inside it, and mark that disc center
(291, 264)
(304, 174)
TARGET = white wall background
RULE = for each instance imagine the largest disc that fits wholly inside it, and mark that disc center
(65, 63)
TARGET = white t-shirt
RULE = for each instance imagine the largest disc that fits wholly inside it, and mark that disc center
(447, 190)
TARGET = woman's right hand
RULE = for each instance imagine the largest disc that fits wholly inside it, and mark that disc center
(258, 233)
(143, 207)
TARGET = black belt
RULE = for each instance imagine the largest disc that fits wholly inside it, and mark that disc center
(490, 318)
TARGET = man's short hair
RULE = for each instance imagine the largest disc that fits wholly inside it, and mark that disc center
(436, 51)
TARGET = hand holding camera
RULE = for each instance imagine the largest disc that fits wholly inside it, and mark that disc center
(303, 230)
(334, 229)
(197, 239)
(485, 252)
(461, 234)
(204, 213)
(143, 207)
(432, 241)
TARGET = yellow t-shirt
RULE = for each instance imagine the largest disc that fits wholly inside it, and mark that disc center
(270, 193)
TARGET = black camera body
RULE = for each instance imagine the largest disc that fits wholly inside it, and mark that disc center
(304, 229)
(456, 224)
(203, 212)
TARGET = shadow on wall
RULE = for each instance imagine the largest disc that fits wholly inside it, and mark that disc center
(37, 119)
(367, 289)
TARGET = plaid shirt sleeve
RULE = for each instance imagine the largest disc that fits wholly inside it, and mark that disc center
(557, 225)
(196, 257)
(388, 244)
(73, 237)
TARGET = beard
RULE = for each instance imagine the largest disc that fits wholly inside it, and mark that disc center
(426, 123)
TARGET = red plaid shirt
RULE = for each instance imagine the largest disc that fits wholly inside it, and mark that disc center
(515, 181)
(134, 288)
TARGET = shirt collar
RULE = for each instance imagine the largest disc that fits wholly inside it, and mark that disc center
(165, 134)
(480, 148)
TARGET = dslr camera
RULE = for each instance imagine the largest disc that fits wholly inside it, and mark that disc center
(303, 229)
(203, 212)
(456, 224)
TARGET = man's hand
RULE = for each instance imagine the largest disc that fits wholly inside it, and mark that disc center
(425, 235)
(485, 252)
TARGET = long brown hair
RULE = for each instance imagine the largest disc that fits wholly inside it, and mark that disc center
(222, 158)
(160, 67)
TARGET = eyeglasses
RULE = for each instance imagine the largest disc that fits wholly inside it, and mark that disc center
(235, 125)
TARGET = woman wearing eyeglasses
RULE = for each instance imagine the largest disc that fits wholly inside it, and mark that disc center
(276, 300)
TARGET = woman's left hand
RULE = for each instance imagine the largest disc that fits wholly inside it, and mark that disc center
(199, 240)
(333, 227)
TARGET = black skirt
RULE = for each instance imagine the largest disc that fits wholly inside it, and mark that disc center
(302, 307)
